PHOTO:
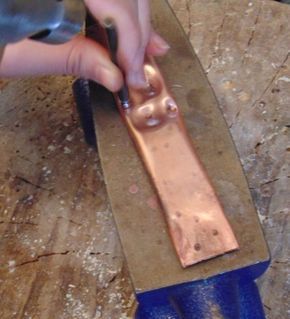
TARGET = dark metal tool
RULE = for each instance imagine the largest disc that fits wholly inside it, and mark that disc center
(81, 87)
(112, 38)
(81, 91)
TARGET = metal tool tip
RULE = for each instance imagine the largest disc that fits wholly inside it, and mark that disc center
(108, 23)
(125, 104)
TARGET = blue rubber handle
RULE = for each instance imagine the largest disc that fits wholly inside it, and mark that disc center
(227, 296)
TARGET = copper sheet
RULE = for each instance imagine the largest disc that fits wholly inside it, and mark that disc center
(197, 224)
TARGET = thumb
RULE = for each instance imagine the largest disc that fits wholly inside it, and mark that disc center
(80, 56)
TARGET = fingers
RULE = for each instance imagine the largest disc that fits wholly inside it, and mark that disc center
(80, 56)
(84, 57)
(125, 15)
(157, 46)
(136, 76)
(132, 19)
(90, 60)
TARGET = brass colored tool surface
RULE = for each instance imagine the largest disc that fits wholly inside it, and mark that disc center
(1, 52)
(151, 258)
(196, 221)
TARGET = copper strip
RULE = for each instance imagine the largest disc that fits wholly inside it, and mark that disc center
(197, 224)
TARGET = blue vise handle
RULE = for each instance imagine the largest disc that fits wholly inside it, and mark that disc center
(232, 295)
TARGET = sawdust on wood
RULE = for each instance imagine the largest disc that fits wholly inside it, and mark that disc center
(59, 253)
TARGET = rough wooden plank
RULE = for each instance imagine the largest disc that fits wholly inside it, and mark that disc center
(59, 253)
(244, 47)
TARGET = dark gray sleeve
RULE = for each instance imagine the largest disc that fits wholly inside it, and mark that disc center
(50, 21)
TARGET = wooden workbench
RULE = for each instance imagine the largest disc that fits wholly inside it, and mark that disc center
(59, 253)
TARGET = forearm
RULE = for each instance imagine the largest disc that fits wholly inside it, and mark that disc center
(30, 57)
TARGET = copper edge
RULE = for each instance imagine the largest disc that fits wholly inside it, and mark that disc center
(197, 224)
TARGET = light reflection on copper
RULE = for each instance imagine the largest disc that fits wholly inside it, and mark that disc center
(197, 224)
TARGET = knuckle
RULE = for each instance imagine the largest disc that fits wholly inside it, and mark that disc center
(74, 59)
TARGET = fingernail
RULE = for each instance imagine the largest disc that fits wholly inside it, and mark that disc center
(161, 43)
(164, 45)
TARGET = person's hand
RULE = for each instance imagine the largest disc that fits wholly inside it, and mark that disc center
(80, 56)
(84, 57)
(132, 19)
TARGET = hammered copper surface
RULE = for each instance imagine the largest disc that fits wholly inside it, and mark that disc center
(197, 224)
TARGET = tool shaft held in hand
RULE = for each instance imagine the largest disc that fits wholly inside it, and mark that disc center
(112, 37)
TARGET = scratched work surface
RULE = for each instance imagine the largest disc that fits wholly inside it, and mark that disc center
(59, 253)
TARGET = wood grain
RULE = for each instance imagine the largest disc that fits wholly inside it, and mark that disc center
(244, 47)
(59, 253)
